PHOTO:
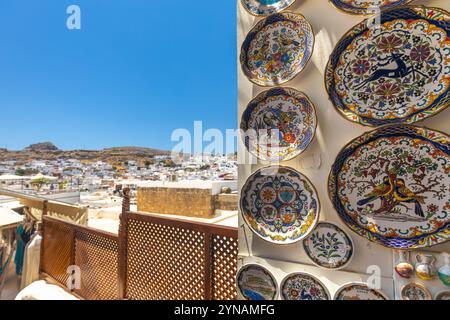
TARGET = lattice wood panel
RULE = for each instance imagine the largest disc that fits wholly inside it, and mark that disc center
(97, 256)
(224, 267)
(164, 262)
(57, 250)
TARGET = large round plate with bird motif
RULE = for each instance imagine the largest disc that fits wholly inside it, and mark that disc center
(391, 186)
(277, 49)
(255, 282)
(358, 291)
(266, 7)
(279, 124)
(363, 7)
(279, 204)
(303, 286)
(393, 68)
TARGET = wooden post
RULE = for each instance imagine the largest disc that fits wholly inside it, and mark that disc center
(122, 244)
(208, 266)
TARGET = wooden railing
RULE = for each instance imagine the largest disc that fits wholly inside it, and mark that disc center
(153, 257)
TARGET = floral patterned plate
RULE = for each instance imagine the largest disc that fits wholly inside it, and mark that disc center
(329, 246)
(358, 291)
(363, 7)
(396, 72)
(303, 286)
(279, 204)
(266, 7)
(279, 124)
(391, 186)
(415, 291)
(277, 49)
(255, 282)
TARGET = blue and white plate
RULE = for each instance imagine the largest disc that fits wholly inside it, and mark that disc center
(266, 7)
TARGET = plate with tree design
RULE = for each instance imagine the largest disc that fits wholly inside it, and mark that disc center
(277, 49)
(303, 286)
(278, 124)
(396, 71)
(266, 7)
(364, 7)
(279, 204)
(390, 186)
(328, 246)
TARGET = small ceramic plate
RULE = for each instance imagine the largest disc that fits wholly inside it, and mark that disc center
(278, 124)
(266, 7)
(358, 7)
(277, 49)
(303, 286)
(415, 291)
(329, 246)
(255, 282)
(390, 186)
(443, 295)
(395, 72)
(279, 204)
(358, 291)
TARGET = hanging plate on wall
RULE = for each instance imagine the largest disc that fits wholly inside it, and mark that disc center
(358, 291)
(279, 124)
(255, 282)
(277, 49)
(279, 204)
(415, 291)
(390, 186)
(363, 7)
(393, 72)
(442, 295)
(266, 7)
(329, 246)
(303, 286)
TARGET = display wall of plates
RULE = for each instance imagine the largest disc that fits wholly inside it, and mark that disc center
(255, 282)
(358, 291)
(303, 286)
(277, 49)
(266, 7)
(390, 186)
(279, 204)
(279, 124)
(397, 72)
(328, 246)
(364, 7)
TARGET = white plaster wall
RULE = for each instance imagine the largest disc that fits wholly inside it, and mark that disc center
(333, 133)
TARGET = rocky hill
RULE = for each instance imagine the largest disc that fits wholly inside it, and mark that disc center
(48, 151)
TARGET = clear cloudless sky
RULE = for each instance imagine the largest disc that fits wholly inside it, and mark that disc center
(137, 70)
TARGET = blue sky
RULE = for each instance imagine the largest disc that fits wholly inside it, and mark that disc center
(137, 70)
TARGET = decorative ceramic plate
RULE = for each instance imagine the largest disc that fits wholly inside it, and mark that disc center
(391, 186)
(279, 204)
(302, 286)
(279, 124)
(329, 246)
(277, 49)
(443, 295)
(396, 72)
(415, 291)
(266, 7)
(255, 282)
(362, 7)
(358, 291)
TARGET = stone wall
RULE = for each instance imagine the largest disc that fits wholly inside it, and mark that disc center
(226, 202)
(177, 201)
